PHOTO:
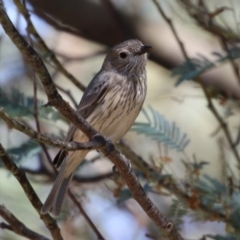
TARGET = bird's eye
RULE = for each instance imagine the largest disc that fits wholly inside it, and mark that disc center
(123, 55)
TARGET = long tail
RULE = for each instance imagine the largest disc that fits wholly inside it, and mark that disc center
(55, 199)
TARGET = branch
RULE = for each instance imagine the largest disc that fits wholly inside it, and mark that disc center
(169, 184)
(12, 123)
(206, 21)
(17, 226)
(169, 22)
(49, 222)
(45, 48)
(115, 156)
(41, 138)
(69, 94)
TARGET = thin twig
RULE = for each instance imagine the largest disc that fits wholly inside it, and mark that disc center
(115, 18)
(68, 93)
(169, 22)
(67, 59)
(49, 222)
(17, 226)
(222, 123)
(35, 112)
(223, 39)
(93, 144)
(45, 48)
(82, 211)
(119, 160)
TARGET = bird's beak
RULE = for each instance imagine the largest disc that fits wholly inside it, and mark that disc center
(145, 49)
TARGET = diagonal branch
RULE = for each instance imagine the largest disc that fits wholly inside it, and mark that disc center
(169, 22)
(93, 144)
(73, 146)
(169, 184)
(82, 211)
(49, 222)
(17, 226)
(45, 48)
(55, 99)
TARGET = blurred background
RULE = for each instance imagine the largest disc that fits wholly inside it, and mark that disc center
(78, 34)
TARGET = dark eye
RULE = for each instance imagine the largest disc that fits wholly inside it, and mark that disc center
(123, 55)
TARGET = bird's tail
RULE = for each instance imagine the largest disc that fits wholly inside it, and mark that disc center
(55, 198)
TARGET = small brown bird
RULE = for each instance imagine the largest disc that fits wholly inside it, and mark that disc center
(111, 103)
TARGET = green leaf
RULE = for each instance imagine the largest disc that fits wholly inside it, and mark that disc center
(161, 130)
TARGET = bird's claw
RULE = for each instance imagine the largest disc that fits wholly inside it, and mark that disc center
(105, 142)
(129, 168)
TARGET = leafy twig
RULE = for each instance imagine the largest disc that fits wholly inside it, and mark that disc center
(82, 211)
(17, 226)
(168, 183)
(211, 106)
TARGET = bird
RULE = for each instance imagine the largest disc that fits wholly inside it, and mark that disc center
(110, 104)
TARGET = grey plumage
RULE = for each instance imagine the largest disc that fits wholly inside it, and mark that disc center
(111, 103)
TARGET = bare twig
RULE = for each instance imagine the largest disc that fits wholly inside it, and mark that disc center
(223, 38)
(45, 48)
(17, 226)
(169, 22)
(49, 222)
(206, 21)
(115, 156)
(82, 211)
(80, 58)
(94, 144)
(68, 93)
(222, 123)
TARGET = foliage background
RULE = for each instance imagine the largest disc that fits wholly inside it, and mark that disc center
(80, 32)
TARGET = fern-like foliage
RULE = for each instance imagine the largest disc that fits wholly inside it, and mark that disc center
(25, 151)
(194, 67)
(177, 211)
(218, 197)
(17, 104)
(161, 130)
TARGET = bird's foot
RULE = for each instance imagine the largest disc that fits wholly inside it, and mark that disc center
(105, 143)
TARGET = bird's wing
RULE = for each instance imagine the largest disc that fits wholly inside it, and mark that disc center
(95, 92)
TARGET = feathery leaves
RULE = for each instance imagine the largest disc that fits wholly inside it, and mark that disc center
(194, 67)
(160, 130)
